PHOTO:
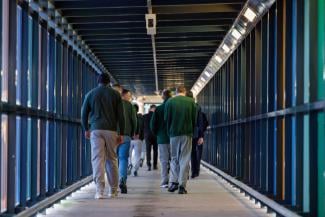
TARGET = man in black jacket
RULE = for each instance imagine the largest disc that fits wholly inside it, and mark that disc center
(197, 142)
(150, 139)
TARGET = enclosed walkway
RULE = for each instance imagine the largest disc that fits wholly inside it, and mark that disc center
(208, 195)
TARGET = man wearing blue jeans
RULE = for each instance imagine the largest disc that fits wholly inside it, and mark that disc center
(129, 130)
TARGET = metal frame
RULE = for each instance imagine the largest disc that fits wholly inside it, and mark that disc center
(266, 106)
(40, 115)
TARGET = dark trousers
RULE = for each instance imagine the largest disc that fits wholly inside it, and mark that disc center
(150, 144)
(196, 157)
(199, 149)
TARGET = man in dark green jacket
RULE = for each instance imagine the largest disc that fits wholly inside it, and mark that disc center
(102, 115)
(158, 127)
(129, 131)
(180, 118)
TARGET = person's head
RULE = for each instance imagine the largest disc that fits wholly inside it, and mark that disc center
(181, 90)
(189, 94)
(166, 94)
(126, 95)
(103, 79)
(152, 108)
(118, 88)
(136, 107)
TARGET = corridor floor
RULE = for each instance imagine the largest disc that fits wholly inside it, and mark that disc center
(208, 196)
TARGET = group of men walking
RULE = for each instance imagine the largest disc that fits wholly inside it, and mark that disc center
(115, 130)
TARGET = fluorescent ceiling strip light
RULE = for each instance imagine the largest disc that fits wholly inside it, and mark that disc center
(203, 79)
(207, 74)
(225, 48)
(244, 23)
(236, 34)
(219, 60)
(250, 15)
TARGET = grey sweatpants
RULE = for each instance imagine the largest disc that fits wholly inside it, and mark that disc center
(180, 147)
(164, 156)
(136, 146)
(103, 155)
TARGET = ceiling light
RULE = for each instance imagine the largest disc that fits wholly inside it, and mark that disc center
(250, 15)
(218, 59)
(207, 74)
(236, 34)
(225, 48)
(203, 79)
(199, 84)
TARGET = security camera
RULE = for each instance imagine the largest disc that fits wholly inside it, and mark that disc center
(151, 24)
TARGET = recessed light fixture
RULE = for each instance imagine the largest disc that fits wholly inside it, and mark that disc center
(249, 14)
(219, 60)
(203, 79)
(225, 48)
(236, 34)
(207, 74)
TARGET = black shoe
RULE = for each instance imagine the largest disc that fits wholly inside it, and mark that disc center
(149, 168)
(141, 162)
(182, 190)
(155, 167)
(135, 173)
(194, 175)
(123, 187)
(173, 187)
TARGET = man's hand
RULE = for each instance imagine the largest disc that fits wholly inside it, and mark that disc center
(119, 139)
(87, 134)
(200, 141)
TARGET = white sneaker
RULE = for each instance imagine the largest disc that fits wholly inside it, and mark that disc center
(164, 185)
(99, 196)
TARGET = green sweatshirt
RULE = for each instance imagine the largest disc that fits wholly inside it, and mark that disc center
(180, 116)
(130, 119)
(158, 126)
(103, 108)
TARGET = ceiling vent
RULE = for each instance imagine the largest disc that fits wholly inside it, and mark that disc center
(151, 24)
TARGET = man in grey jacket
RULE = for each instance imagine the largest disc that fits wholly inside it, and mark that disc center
(102, 115)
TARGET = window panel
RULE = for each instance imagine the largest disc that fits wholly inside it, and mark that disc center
(4, 161)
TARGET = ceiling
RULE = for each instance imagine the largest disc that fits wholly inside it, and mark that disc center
(188, 33)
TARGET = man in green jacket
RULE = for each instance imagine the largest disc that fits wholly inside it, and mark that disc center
(129, 131)
(180, 118)
(158, 127)
(103, 109)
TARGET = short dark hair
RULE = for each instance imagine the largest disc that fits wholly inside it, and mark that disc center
(181, 89)
(153, 106)
(136, 107)
(103, 78)
(189, 94)
(166, 94)
(125, 91)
